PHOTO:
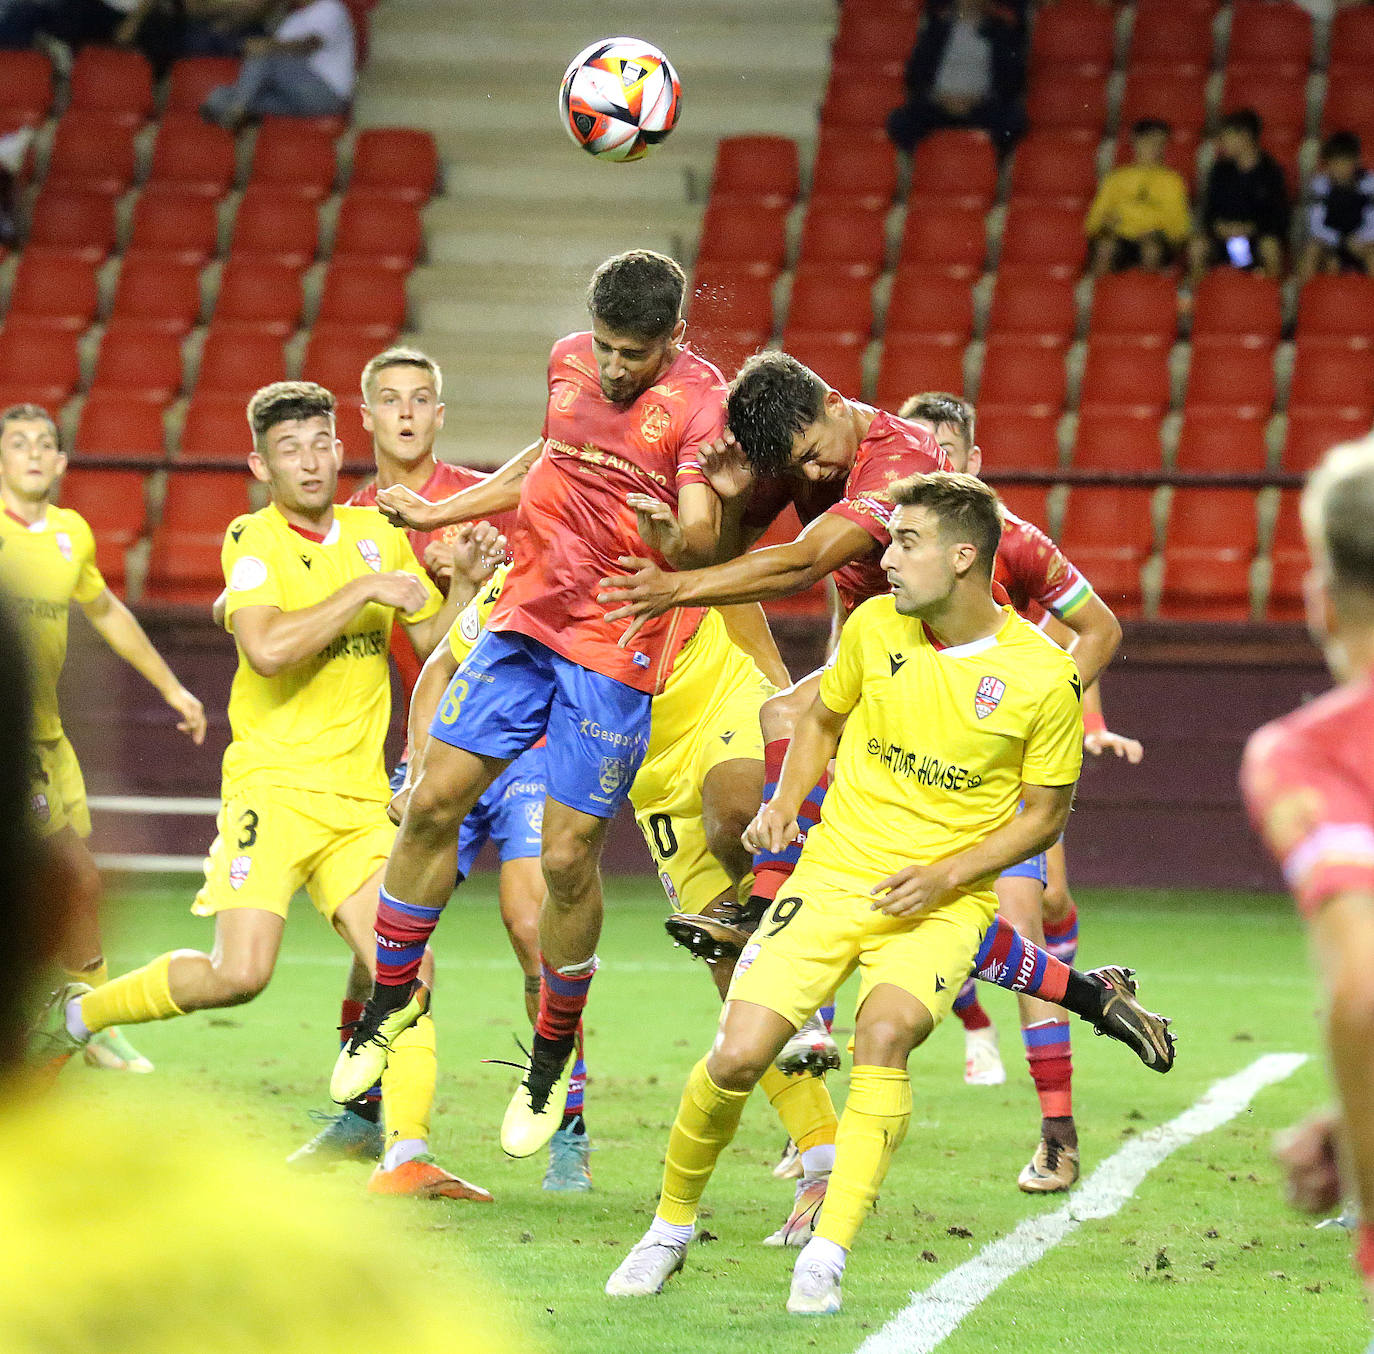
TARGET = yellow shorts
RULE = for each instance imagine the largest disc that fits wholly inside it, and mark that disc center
(712, 704)
(821, 928)
(271, 841)
(57, 796)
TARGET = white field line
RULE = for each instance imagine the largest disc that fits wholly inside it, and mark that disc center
(936, 1313)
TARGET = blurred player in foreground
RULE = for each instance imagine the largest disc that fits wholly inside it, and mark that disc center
(1308, 780)
(897, 878)
(312, 594)
(47, 561)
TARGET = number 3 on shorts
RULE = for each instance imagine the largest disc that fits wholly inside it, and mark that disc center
(249, 836)
(783, 912)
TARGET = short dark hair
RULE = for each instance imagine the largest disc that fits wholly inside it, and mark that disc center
(27, 413)
(1338, 514)
(1243, 120)
(1144, 126)
(285, 400)
(1341, 146)
(638, 293)
(965, 507)
(939, 406)
(773, 398)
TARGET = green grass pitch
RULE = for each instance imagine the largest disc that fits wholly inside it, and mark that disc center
(1206, 1256)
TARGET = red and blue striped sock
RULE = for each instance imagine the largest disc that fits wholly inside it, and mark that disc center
(1051, 1066)
(562, 999)
(369, 1104)
(577, 1088)
(772, 869)
(402, 932)
(827, 1015)
(1009, 960)
(1061, 937)
(969, 1009)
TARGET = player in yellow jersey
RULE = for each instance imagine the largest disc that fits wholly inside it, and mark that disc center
(47, 562)
(313, 590)
(944, 711)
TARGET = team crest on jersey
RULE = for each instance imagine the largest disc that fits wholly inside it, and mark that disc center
(534, 816)
(367, 548)
(654, 422)
(64, 545)
(988, 696)
(469, 624)
(41, 810)
(564, 395)
(238, 871)
(613, 775)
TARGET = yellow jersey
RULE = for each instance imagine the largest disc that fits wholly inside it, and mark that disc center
(469, 622)
(44, 568)
(1135, 200)
(321, 724)
(939, 740)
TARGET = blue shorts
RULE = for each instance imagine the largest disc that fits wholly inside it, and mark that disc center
(1034, 868)
(510, 813)
(510, 690)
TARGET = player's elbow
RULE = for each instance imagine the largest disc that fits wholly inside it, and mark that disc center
(264, 657)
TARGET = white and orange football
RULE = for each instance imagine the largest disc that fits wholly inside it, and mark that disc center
(619, 97)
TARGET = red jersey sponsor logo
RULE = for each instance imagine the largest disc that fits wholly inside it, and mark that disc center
(988, 696)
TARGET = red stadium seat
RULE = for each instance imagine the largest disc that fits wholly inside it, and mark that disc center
(111, 501)
(1337, 308)
(1108, 534)
(856, 169)
(382, 232)
(741, 233)
(1030, 306)
(1267, 34)
(184, 564)
(844, 238)
(159, 293)
(1236, 305)
(910, 365)
(727, 350)
(119, 425)
(1111, 442)
(1059, 98)
(1179, 97)
(952, 239)
(1125, 376)
(336, 359)
(838, 363)
(215, 428)
(1208, 550)
(237, 362)
(875, 32)
(1228, 375)
(860, 100)
(91, 154)
(1174, 35)
(193, 77)
(1134, 305)
(1332, 378)
(1044, 238)
(1312, 432)
(373, 302)
(1056, 165)
(1074, 33)
(725, 299)
(1025, 374)
(116, 81)
(37, 366)
(192, 157)
(1029, 502)
(931, 305)
(955, 167)
(1281, 104)
(823, 303)
(1214, 440)
(1349, 107)
(54, 289)
(757, 169)
(295, 159)
(1014, 441)
(25, 88)
(83, 223)
(137, 360)
(175, 227)
(1352, 39)
(1203, 518)
(275, 227)
(397, 162)
(259, 293)
(1289, 562)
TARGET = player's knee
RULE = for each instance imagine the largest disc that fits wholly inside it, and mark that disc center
(432, 812)
(778, 715)
(569, 863)
(242, 978)
(736, 1066)
(723, 833)
(884, 1041)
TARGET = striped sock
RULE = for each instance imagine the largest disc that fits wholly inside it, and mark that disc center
(827, 1015)
(772, 869)
(969, 1009)
(369, 1104)
(562, 999)
(1051, 1066)
(402, 931)
(1061, 937)
(1009, 960)
(577, 1088)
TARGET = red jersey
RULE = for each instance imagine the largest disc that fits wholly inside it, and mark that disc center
(1308, 781)
(574, 524)
(1034, 571)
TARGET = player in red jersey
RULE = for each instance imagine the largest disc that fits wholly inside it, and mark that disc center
(1308, 780)
(629, 409)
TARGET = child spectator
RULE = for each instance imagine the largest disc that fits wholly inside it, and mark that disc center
(1139, 217)
(1340, 220)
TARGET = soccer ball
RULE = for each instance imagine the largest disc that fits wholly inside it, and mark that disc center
(619, 97)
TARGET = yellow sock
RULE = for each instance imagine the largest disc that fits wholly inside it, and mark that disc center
(871, 1129)
(132, 999)
(706, 1121)
(93, 975)
(408, 1083)
(803, 1104)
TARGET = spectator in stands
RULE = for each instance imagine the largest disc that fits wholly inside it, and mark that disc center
(1139, 217)
(1245, 204)
(967, 69)
(1340, 220)
(221, 27)
(305, 69)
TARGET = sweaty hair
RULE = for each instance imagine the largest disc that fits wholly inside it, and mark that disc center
(772, 399)
(401, 357)
(1338, 514)
(1341, 146)
(1243, 120)
(638, 294)
(965, 507)
(286, 400)
(26, 413)
(939, 406)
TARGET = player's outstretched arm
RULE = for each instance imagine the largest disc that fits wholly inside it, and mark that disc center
(813, 745)
(1098, 738)
(119, 628)
(474, 552)
(1096, 637)
(498, 493)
